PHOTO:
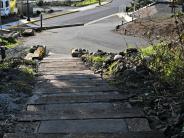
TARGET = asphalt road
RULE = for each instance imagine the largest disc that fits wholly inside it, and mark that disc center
(89, 15)
(92, 37)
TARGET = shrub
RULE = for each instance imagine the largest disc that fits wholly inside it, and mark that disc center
(167, 62)
(99, 59)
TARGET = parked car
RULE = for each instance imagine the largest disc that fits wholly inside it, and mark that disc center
(7, 7)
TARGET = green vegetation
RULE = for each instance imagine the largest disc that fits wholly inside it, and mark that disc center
(85, 3)
(68, 3)
(138, 4)
(99, 59)
(148, 51)
(17, 75)
(28, 70)
(113, 68)
(9, 42)
(167, 61)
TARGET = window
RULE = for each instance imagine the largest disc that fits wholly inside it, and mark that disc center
(1, 5)
(7, 3)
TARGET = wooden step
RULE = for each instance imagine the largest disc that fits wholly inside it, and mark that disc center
(148, 134)
(61, 64)
(51, 89)
(80, 111)
(70, 77)
(70, 73)
(62, 84)
(79, 98)
(76, 115)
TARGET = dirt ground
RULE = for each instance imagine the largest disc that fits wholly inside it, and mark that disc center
(153, 28)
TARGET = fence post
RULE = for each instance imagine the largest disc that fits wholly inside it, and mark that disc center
(41, 21)
(0, 16)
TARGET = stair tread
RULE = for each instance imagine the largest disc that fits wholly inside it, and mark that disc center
(150, 134)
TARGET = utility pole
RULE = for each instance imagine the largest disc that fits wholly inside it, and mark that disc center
(28, 15)
(41, 21)
(133, 15)
(173, 6)
(99, 2)
(0, 15)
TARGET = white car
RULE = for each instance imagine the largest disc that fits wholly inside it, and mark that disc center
(5, 7)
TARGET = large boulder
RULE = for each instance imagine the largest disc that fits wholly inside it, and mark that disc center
(39, 53)
(75, 52)
(132, 51)
(36, 52)
(28, 32)
(118, 57)
(78, 52)
(108, 61)
(99, 53)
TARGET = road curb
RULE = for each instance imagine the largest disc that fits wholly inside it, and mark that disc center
(62, 26)
(49, 27)
(105, 3)
(70, 12)
(34, 21)
(53, 16)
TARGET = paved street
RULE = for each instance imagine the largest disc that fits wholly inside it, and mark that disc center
(89, 15)
(95, 36)
(92, 37)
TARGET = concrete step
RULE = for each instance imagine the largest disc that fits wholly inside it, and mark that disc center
(149, 134)
(79, 98)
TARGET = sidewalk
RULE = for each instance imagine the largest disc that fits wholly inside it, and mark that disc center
(159, 9)
(48, 16)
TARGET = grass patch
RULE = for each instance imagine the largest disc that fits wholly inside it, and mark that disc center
(167, 61)
(113, 68)
(99, 59)
(17, 75)
(148, 51)
(28, 70)
(9, 42)
(86, 3)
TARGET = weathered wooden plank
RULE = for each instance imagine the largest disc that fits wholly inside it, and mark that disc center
(74, 77)
(83, 126)
(51, 89)
(61, 84)
(149, 134)
(105, 97)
